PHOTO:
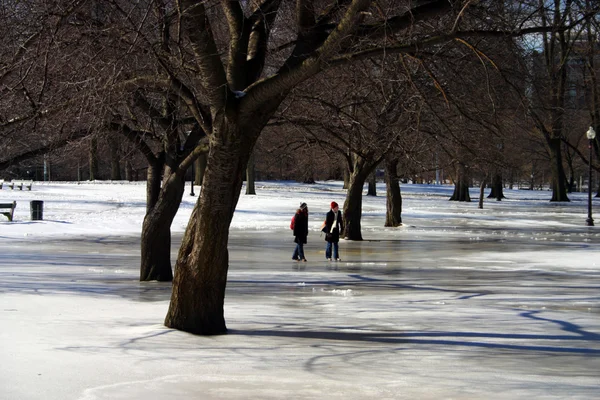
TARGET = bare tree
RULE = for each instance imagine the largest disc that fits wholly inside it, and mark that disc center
(223, 68)
(241, 104)
(393, 214)
(241, 96)
(39, 85)
(550, 79)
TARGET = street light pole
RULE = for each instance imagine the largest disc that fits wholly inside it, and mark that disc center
(591, 135)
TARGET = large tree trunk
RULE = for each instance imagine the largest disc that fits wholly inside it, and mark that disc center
(559, 180)
(497, 191)
(393, 214)
(353, 204)
(461, 185)
(559, 77)
(161, 207)
(156, 232)
(156, 248)
(372, 190)
(201, 269)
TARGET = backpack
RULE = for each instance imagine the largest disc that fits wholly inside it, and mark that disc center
(293, 222)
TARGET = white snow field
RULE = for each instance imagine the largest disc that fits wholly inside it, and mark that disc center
(458, 303)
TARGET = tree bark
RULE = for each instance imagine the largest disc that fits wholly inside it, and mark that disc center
(497, 191)
(156, 233)
(372, 190)
(461, 185)
(202, 264)
(353, 207)
(353, 204)
(393, 214)
(153, 181)
(200, 166)
(559, 180)
(250, 176)
(161, 207)
(481, 192)
(346, 177)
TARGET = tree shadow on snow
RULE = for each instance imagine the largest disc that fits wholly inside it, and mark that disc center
(579, 342)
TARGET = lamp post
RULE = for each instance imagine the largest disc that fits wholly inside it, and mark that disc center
(591, 135)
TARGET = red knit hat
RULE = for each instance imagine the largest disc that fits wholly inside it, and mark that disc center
(334, 205)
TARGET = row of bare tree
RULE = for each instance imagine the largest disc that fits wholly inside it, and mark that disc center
(476, 87)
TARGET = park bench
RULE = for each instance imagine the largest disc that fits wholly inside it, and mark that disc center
(19, 185)
(11, 206)
(22, 185)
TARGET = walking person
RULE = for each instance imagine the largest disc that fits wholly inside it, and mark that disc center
(333, 225)
(300, 227)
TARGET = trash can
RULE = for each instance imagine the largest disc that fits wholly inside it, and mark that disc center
(37, 210)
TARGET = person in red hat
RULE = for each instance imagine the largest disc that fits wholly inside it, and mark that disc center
(333, 225)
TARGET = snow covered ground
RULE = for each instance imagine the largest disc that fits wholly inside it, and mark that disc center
(459, 303)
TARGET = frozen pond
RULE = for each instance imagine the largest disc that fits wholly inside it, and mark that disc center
(432, 317)
(459, 303)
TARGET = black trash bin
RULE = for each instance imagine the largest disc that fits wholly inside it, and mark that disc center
(37, 210)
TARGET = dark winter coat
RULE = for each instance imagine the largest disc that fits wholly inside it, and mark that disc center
(330, 219)
(301, 226)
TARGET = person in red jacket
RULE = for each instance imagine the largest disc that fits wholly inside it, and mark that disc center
(300, 227)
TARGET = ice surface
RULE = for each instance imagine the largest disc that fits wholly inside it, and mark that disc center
(459, 303)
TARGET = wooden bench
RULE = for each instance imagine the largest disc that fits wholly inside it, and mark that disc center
(11, 206)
